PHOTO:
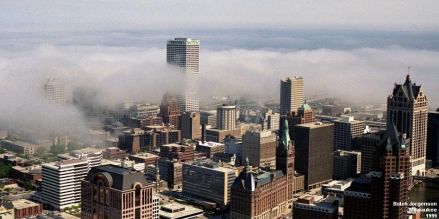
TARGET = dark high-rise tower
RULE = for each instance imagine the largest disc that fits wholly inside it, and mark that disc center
(407, 108)
(314, 152)
(375, 195)
(433, 138)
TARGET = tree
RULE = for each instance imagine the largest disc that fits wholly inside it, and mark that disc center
(4, 170)
(40, 151)
(57, 149)
(2, 151)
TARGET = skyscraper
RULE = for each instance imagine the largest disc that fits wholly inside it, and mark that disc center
(407, 108)
(433, 138)
(55, 91)
(382, 191)
(314, 153)
(184, 53)
(226, 117)
(291, 95)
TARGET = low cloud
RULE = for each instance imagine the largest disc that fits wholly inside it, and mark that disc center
(362, 75)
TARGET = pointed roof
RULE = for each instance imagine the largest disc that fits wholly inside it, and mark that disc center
(285, 137)
(410, 90)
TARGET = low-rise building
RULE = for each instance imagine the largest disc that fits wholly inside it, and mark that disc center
(146, 158)
(19, 147)
(114, 153)
(210, 148)
(26, 209)
(311, 206)
(207, 180)
(177, 211)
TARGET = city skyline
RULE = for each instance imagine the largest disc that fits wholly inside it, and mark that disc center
(219, 109)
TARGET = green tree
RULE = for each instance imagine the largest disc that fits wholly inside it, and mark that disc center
(2, 151)
(57, 149)
(40, 151)
(4, 170)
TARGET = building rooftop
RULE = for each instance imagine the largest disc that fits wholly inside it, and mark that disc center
(314, 125)
(175, 210)
(210, 144)
(118, 177)
(24, 203)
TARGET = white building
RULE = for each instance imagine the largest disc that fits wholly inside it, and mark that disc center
(226, 117)
(184, 53)
(61, 185)
(155, 207)
(55, 91)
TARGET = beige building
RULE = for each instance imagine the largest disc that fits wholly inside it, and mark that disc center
(226, 117)
(55, 91)
(292, 94)
(407, 109)
(190, 125)
(260, 148)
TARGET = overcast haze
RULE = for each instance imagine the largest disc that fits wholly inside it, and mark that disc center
(355, 50)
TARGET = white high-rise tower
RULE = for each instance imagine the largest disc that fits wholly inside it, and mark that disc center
(184, 53)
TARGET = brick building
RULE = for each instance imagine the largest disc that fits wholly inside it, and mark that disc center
(266, 194)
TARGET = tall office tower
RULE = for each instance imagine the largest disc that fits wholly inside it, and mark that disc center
(305, 114)
(346, 164)
(260, 148)
(111, 191)
(61, 185)
(184, 53)
(345, 130)
(266, 194)
(55, 91)
(170, 110)
(190, 125)
(314, 153)
(381, 193)
(226, 117)
(407, 108)
(433, 138)
(207, 180)
(291, 95)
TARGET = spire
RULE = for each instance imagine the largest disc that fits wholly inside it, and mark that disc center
(402, 143)
(285, 135)
(247, 165)
(389, 145)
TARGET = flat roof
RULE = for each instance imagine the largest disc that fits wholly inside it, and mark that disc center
(24, 203)
(182, 211)
(314, 125)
